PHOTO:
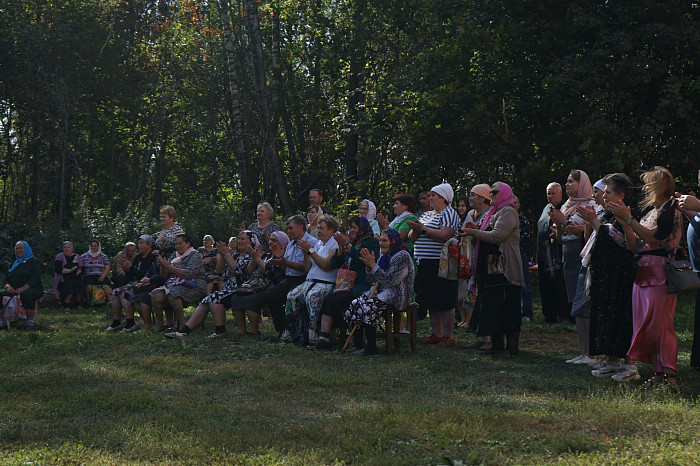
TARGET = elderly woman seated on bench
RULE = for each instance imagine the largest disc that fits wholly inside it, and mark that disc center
(394, 273)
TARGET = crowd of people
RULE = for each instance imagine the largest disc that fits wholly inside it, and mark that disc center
(600, 262)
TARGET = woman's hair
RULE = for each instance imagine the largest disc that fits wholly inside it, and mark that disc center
(407, 200)
(314, 207)
(94, 241)
(268, 207)
(68, 242)
(233, 238)
(464, 199)
(575, 174)
(620, 184)
(330, 221)
(184, 237)
(660, 184)
(356, 221)
(169, 211)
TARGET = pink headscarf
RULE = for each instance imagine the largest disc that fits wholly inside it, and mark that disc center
(502, 199)
(583, 196)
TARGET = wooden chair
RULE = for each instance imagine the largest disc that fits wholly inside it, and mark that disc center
(391, 331)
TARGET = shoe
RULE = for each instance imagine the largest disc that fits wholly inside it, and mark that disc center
(114, 329)
(597, 364)
(313, 336)
(607, 370)
(30, 327)
(574, 360)
(286, 336)
(214, 335)
(432, 339)
(176, 335)
(133, 329)
(586, 360)
(626, 373)
(527, 319)
(364, 353)
(323, 345)
(446, 341)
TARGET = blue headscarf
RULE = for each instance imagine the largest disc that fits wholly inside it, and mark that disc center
(396, 244)
(25, 257)
(365, 230)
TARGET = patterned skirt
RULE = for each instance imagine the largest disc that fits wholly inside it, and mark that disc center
(365, 310)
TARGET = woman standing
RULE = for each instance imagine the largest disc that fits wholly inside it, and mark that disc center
(394, 273)
(570, 227)
(432, 292)
(312, 214)
(68, 280)
(23, 279)
(264, 227)
(659, 232)
(165, 238)
(498, 271)
(369, 211)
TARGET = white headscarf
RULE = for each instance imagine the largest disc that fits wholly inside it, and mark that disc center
(371, 209)
(97, 254)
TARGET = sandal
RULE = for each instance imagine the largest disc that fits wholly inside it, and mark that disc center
(668, 385)
(654, 381)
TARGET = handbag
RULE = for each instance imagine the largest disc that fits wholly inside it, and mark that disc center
(177, 281)
(680, 276)
(447, 267)
(345, 279)
(99, 296)
(13, 308)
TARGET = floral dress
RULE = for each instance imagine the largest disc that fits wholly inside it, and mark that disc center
(231, 279)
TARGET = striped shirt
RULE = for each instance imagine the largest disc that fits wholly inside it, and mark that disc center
(94, 265)
(425, 246)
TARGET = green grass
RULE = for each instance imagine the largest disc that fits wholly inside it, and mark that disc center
(72, 394)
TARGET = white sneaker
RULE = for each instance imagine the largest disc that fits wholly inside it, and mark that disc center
(597, 364)
(176, 335)
(215, 335)
(134, 328)
(626, 373)
(585, 360)
(114, 329)
(574, 360)
(607, 370)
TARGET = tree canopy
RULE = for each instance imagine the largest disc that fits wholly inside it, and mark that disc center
(111, 108)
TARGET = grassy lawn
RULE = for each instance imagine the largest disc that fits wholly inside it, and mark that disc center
(72, 394)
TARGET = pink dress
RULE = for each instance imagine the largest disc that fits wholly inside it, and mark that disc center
(653, 308)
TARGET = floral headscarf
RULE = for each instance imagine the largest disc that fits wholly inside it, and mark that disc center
(25, 257)
(396, 244)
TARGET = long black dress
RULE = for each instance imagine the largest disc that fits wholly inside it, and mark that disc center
(612, 277)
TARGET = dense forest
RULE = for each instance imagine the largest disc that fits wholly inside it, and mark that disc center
(111, 108)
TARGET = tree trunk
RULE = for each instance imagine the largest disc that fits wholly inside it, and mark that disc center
(240, 146)
(268, 119)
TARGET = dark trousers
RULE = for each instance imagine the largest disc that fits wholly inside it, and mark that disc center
(276, 298)
(695, 352)
(553, 292)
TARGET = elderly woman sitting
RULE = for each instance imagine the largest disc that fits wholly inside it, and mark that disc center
(185, 280)
(68, 280)
(24, 280)
(394, 273)
(139, 275)
(235, 269)
(96, 270)
(123, 261)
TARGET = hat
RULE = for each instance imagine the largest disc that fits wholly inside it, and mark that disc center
(444, 190)
(482, 190)
(599, 184)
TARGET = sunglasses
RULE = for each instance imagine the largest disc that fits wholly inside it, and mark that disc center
(493, 192)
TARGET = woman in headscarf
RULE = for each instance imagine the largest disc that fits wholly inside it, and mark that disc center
(95, 269)
(369, 211)
(360, 236)
(498, 271)
(23, 279)
(247, 299)
(394, 273)
(570, 227)
(68, 280)
(234, 271)
(209, 254)
(433, 292)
